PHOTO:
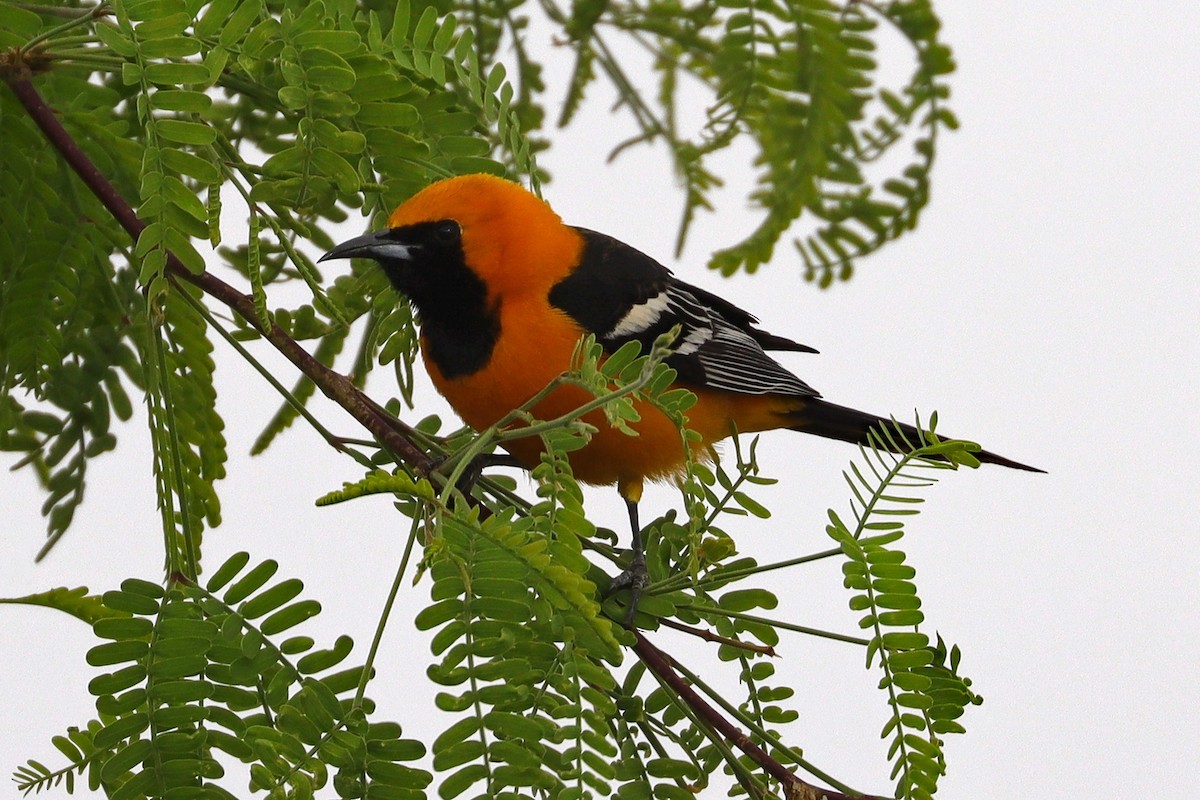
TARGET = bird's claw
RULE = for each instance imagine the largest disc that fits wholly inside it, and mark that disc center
(635, 578)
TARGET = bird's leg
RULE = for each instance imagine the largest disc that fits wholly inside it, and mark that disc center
(635, 577)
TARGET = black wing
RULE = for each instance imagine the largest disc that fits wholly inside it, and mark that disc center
(621, 294)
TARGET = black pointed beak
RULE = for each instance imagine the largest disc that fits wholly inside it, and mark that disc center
(379, 246)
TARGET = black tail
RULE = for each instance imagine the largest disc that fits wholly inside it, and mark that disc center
(850, 425)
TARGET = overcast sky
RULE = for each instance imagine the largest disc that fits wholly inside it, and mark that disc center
(1047, 307)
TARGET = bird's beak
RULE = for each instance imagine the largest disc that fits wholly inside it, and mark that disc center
(378, 246)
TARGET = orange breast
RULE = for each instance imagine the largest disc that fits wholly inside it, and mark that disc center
(535, 347)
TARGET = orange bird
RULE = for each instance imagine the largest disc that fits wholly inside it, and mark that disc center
(504, 289)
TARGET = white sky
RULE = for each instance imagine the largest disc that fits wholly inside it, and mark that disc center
(1046, 307)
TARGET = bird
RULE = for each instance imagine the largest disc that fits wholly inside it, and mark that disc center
(504, 290)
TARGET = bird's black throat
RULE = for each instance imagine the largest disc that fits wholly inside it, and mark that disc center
(459, 326)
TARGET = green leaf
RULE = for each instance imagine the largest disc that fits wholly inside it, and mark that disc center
(76, 602)
(117, 681)
(192, 166)
(910, 659)
(398, 775)
(177, 692)
(271, 599)
(234, 28)
(323, 660)
(454, 785)
(120, 730)
(19, 21)
(397, 749)
(341, 42)
(184, 132)
(142, 587)
(671, 768)
(906, 618)
(742, 600)
(911, 682)
(295, 645)
(177, 667)
(123, 627)
(514, 726)
(62, 743)
(909, 700)
(290, 617)
(173, 74)
(103, 655)
(215, 16)
(438, 614)
(390, 115)
(116, 706)
(456, 733)
(337, 168)
(227, 571)
(125, 759)
(158, 20)
(251, 582)
(750, 504)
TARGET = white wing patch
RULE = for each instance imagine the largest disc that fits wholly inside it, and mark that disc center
(640, 317)
(693, 341)
(728, 357)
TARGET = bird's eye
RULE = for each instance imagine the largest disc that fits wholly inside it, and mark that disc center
(447, 232)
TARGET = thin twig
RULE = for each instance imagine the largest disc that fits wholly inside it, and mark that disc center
(709, 636)
(774, 623)
(54, 11)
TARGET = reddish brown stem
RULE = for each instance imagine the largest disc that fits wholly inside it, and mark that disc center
(709, 636)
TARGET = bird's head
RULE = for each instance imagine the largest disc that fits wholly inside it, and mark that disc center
(473, 228)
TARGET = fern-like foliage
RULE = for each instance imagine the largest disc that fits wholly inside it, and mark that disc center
(69, 317)
(425, 50)
(925, 694)
(801, 79)
(512, 615)
(192, 672)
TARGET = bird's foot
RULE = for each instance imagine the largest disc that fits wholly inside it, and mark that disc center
(635, 578)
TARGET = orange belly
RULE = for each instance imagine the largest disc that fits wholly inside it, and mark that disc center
(531, 354)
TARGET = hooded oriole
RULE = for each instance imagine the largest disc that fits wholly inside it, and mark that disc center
(504, 290)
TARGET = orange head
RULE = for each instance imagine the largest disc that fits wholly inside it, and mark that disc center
(463, 249)
(508, 237)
